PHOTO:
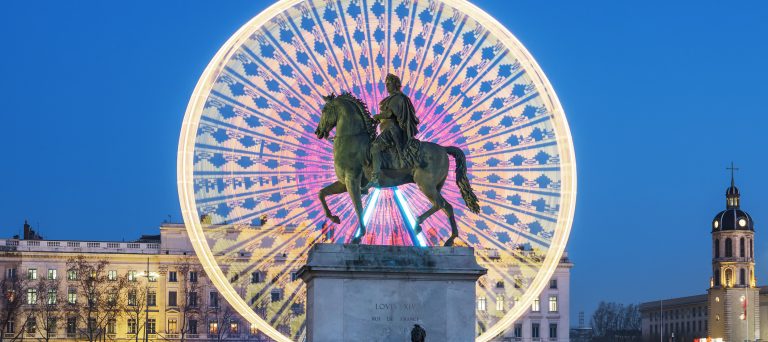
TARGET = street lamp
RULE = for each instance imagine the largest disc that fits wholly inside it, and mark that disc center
(149, 275)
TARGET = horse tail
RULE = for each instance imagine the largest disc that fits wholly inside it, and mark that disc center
(461, 178)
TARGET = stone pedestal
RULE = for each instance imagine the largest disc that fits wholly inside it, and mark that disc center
(377, 293)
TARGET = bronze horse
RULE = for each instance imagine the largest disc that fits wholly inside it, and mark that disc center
(355, 130)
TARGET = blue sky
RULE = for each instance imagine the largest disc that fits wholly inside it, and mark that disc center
(660, 96)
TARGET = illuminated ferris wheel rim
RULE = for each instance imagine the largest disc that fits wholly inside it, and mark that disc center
(185, 166)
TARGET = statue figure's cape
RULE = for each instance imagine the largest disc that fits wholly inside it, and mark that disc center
(402, 108)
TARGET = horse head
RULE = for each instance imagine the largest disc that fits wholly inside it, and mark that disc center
(328, 118)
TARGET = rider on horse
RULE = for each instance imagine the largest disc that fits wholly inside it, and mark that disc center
(399, 126)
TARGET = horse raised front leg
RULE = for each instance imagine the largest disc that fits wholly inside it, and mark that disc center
(333, 189)
(353, 189)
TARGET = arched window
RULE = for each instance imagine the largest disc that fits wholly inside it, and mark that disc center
(717, 277)
(728, 277)
(728, 248)
(717, 248)
(742, 277)
(741, 248)
(751, 255)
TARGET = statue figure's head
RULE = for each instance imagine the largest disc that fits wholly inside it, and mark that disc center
(327, 119)
(393, 83)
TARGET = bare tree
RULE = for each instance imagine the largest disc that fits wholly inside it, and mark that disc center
(136, 304)
(616, 322)
(47, 310)
(220, 316)
(101, 295)
(187, 296)
(13, 288)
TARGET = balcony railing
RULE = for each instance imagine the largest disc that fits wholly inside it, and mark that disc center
(79, 246)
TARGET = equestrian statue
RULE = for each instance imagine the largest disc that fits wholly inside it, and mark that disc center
(362, 159)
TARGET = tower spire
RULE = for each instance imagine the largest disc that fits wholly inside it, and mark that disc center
(732, 168)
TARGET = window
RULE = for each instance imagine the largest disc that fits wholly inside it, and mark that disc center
(481, 303)
(32, 274)
(193, 299)
(172, 326)
(31, 296)
(234, 327)
(193, 276)
(71, 325)
(51, 297)
(728, 248)
(742, 277)
(51, 327)
(213, 299)
(72, 295)
(112, 327)
(717, 248)
(51, 274)
(499, 302)
(255, 277)
(192, 326)
(10, 326)
(751, 255)
(31, 325)
(213, 327)
(553, 283)
(535, 330)
(552, 330)
(132, 275)
(552, 303)
(729, 277)
(11, 273)
(151, 326)
(132, 327)
(741, 248)
(536, 306)
(151, 277)
(294, 276)
(132, 298)
(172, 298)
(152, 298)
(518, 332)
(71, 275)
(172, 277)
(112, 275)
(276, 295)
(254, 330)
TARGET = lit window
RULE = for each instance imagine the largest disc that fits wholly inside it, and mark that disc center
(51, 274)
(499, 302)
(172, 326)
(132, 275)
(151, 326)
(51, 296)
(481, 304)
(254, 330)
(234, 327)
(72, 295)
(112, 275)
(536, 307)
(152, 277)
(132, 298)
(213, 327)
(152, 298)
(132, 327)
(31, 296)
(552, 303)
(71, 275)
(32, 274)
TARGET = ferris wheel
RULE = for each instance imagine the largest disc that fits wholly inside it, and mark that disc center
(250, 167)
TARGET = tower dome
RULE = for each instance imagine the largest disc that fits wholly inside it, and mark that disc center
(732, 218)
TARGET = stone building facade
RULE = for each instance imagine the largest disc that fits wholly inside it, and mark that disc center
(165, 268)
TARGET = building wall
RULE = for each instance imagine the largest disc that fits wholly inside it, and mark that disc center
(685, 317)
(174, 251)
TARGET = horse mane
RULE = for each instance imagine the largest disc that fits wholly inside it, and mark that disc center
(370, 124)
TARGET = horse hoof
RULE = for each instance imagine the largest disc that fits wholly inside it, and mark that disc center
(335, 219)
(449, 242)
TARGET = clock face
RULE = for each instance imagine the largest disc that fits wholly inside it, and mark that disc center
(742, 222)
(250, 167)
